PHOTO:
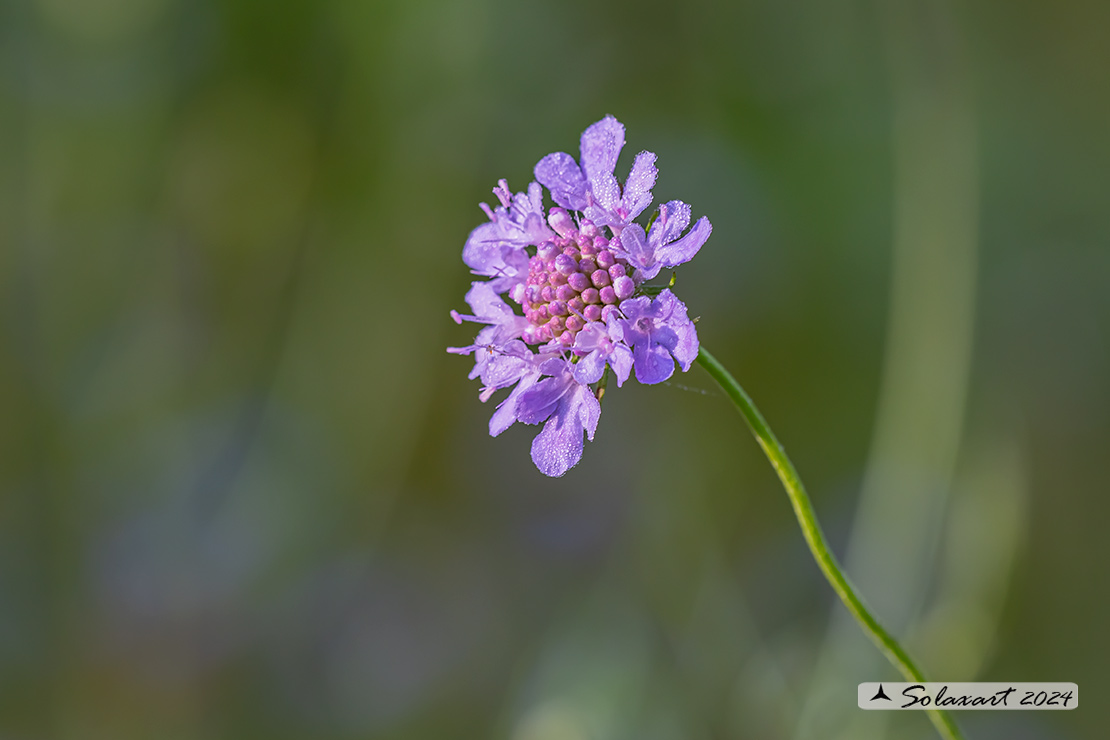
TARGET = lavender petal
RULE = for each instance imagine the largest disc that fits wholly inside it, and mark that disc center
(562, 176)
(685, 248)
(601, 144)
(637, 188)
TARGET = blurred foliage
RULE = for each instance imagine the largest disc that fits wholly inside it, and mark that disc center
(245, 493)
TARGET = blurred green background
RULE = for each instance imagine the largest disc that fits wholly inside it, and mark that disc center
(244, 492)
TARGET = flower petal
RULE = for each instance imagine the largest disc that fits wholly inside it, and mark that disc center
(590, 368)
(558, 447)
(605, 192)
(506, 415)
(601, 144)
(621, 362)
(543, 400)
(591, 336)
(489, 308)
(637, 188)
(482, 251)
(635, 247)
(684, 345)
(487, 305)
(653, 363)
(685, 248)
(508, 364)
(561, 175)
(674, 217)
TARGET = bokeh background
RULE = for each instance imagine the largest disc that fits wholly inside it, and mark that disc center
(244, 491)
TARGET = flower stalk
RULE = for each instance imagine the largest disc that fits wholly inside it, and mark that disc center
(815, 538)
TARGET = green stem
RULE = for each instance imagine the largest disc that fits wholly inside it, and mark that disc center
(815, 538)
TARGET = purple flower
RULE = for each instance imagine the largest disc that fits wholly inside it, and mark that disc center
(662, 247)
(576, 271)
(659, 330)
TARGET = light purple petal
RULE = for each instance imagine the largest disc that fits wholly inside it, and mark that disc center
(591, 336)
(593, 339)
(601, 144)
(523, 206)
(637, 188)
(483, 248)
(488, 253)
(635, 247)
(486, 303)
(658, 331)
(558, 447)
(481, 349)
(633, 309)
(511, 270)
(602, 343)
(621, 362)
(489, 308)
(685, 248)
(507, 364)
(561, 175)
(653, 363)
(685, 346)
(589, 410)
(534, 229)
(674, 217)
(518, 222)
(535, 196)
(673, 330)
(605, 192)
(590, 368)
(505, 415)
(543, 400)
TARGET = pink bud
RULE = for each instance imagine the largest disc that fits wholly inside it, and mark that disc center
(561, 221)
(623, 287)
(578, 281)
(565, 264)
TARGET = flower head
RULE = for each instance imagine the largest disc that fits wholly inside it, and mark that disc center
(577, 272)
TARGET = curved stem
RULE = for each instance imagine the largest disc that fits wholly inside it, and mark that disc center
(815, 538)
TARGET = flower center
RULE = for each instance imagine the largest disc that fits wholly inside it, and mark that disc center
(572, 280)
